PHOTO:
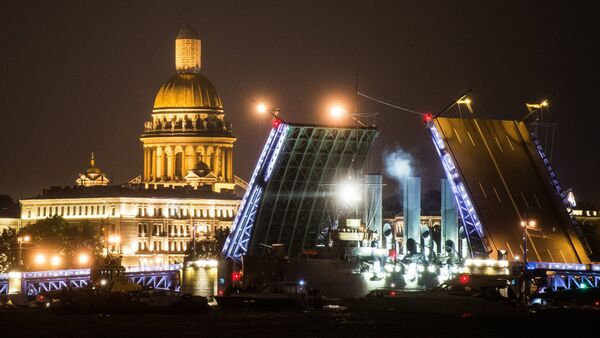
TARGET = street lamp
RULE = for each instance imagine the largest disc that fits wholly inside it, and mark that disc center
(83, 259)
(525, 225)
(40, 259)
(466, 101)
(55, 261)
(115, 241)
(349, 192)
(337, 112)
(274, 112)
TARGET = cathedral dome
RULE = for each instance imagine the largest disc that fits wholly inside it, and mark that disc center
(188, 90)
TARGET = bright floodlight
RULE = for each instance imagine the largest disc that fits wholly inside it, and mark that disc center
(349, 192)
(261, 108)
(40, 259)
(26, 238)
(83, 258)
(337, 111)
(55, 260)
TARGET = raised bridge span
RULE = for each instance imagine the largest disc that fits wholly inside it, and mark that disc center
(31, 283)
(501, 177)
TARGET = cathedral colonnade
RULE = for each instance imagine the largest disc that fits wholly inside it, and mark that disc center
(172, 162)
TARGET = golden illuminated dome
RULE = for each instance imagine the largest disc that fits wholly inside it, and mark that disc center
(191, 90)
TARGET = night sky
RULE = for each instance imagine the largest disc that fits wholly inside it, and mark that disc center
(81, 76)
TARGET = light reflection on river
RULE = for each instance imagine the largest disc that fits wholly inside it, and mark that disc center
(200, 281)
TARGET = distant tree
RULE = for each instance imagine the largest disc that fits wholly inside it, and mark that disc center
(9, 250)
(63, 237)
(209, 247)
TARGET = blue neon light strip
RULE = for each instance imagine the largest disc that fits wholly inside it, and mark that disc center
(282, 130)
(237, 242)
(466, 209)
(557, 266)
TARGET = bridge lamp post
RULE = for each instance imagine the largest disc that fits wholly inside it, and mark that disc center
(525, 225)
(337, 112)
(21, 240)
(83, 259)
(274, 112)
(55, 261)
(40, 259)
(115, 240)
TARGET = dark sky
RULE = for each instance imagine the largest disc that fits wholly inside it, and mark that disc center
(81, 76)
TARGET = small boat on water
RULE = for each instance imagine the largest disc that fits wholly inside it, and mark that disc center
(276, 295)
(111, 292)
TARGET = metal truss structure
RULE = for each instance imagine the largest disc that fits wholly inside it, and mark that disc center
(567, 275)
(159, 280)
(560, 281)
(289, 194)
(559, 192)
(34, 287)
(36, 282)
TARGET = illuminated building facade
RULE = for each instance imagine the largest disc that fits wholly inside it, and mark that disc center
(148, 227)
(187, 182)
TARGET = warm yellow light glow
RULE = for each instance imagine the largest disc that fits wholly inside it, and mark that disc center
(544, 103)
(465, 100)
(26, 238)
(127, 250)
(522, 223)
(531, 223)
(114, 239)
(40, 259)
(261, 108)
(337, 111)
(83, 258)
(55, 260)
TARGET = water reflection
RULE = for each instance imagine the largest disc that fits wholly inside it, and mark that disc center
(200, 281)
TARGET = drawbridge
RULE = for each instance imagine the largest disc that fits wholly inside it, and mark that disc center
(288, 198)
(501, 177)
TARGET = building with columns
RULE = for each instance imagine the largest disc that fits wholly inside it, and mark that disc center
(187, 187)
(187, 142)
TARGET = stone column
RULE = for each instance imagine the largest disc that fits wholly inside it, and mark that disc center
(159, 163)
(168, 171)
(152, 161)
(230, 164)
(145, 164)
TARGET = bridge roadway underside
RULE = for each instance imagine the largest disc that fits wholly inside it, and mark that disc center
(507, 181)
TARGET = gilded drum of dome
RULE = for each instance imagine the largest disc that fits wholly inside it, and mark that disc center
(189, 90)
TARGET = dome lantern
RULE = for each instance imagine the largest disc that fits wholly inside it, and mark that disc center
(187, 51)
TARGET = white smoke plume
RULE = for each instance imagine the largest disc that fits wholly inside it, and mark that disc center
(399, 164)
